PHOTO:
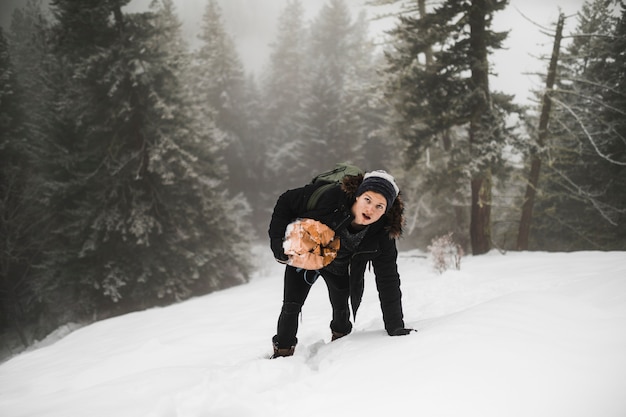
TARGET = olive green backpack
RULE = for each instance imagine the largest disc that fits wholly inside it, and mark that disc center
(331, 178)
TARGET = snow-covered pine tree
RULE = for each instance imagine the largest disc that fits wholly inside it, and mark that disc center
(146, 218)
(217, 84)
(439, 88)
(283, 91)
(323, 106)
(17, 247)
(375, 145)
(581, 201)
(253, 155)
(39, 75)
(329, 120)
(38, 72)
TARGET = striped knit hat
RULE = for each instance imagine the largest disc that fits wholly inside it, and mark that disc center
(380, 182)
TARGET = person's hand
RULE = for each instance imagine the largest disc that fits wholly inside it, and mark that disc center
(276, 244)
(400, 331)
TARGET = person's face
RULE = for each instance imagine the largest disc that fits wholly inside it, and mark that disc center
(368, 208)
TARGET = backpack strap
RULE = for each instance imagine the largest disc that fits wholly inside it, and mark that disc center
(315, 196)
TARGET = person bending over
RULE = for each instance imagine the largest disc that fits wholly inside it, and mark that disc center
(352, 223)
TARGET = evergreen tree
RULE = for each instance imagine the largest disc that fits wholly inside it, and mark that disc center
(253, 155)
(284, 90)
(15, 229)
(378, 145)
(444, 108)
(326, 131)
(582, 199)
(144, 218)
(38, 72)
(218, 86)
(365, 122)
(337, 114)
(39, 76)
(322, 98)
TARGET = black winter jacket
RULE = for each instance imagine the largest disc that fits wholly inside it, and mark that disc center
(378, 245)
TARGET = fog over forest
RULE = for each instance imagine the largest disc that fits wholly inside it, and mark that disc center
(252, 24)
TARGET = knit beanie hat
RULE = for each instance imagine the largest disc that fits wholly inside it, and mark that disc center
(380, 182)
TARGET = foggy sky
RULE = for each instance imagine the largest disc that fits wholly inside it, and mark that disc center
(251, 24)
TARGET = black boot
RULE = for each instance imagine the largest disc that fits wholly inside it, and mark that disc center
(336, 335)
(340, 325)
(283, 353)
(280, 352)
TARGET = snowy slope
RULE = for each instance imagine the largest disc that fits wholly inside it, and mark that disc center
(521, 334)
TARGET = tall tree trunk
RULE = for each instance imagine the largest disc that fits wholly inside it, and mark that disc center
(535, 167)
(480, 222)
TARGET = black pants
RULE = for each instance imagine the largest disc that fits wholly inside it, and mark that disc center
(298, 283)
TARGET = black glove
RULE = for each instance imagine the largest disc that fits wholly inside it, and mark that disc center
(400, 331)
(277, 247)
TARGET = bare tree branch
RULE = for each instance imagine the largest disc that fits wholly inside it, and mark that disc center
(587, 134)
(608, 212)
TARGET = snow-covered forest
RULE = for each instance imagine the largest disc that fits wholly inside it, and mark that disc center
(137, 171)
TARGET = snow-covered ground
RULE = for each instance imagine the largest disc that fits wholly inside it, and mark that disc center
(521, 334)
